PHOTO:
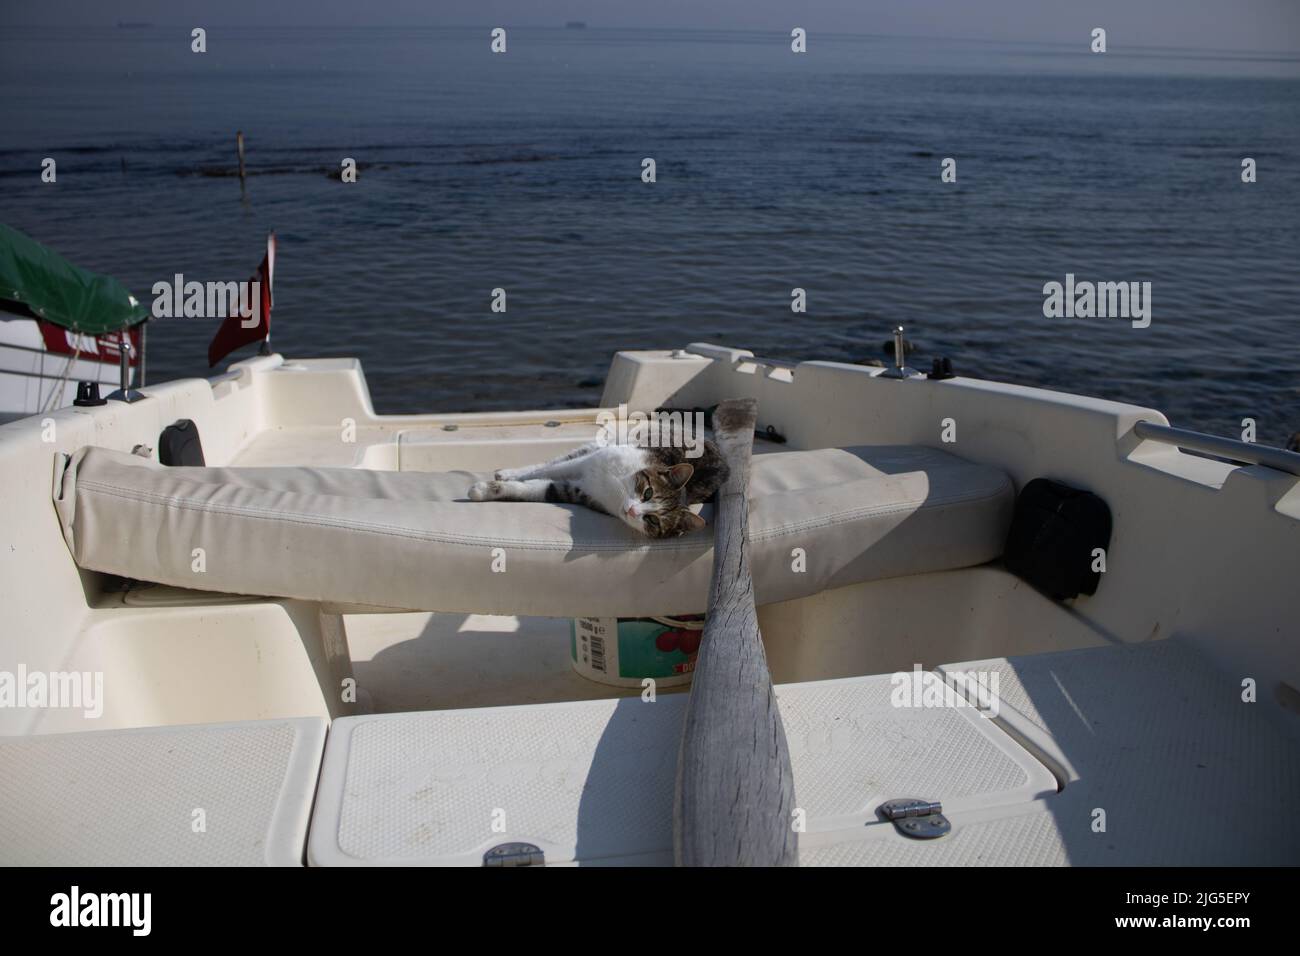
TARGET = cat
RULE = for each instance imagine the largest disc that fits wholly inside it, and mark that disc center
(648, 489)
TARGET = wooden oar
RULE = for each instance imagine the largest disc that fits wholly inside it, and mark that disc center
(735, 791)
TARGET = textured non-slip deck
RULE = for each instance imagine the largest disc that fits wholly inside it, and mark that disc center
(1157, 739)
(593, 780)
(236, 794)
(1149, 740)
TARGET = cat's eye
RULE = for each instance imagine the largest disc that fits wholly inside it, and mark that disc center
(647, 494)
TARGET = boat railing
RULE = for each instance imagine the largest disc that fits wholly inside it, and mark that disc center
(1242, 452)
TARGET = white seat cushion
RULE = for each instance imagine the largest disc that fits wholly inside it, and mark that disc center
(412, 540)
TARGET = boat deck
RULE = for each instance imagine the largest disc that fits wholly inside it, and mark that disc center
(1125, 755)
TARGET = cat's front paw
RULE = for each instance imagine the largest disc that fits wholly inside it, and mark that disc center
(507, 474)
(484, 490)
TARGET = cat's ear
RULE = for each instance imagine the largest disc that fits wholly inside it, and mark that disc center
(692, 521)
(678, 475)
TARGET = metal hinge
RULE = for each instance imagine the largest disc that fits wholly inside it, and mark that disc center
(514, 854)
(920, 819)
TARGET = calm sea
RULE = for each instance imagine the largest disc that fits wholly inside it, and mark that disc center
(775, 171)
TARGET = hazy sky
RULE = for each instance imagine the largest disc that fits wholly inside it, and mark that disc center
(1221, 24)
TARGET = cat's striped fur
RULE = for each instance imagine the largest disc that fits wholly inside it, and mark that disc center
(649, 489)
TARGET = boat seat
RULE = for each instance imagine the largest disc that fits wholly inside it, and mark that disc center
(411, 540)
(234, 794)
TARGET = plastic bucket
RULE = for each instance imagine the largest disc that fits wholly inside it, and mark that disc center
(624, 651)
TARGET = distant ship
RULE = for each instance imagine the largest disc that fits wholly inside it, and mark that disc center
(576, 25)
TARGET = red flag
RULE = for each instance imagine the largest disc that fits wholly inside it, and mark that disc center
(239, 330)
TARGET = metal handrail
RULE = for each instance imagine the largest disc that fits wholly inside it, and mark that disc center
(1243, 452)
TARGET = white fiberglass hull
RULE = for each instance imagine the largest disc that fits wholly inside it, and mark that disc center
(1174, 686)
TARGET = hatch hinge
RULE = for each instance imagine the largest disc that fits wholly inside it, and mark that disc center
(514, 854)
(919, 819)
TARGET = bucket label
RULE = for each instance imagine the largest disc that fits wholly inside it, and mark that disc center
(592, 637)
(633, 649)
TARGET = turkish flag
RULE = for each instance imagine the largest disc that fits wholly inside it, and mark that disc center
(239, 330)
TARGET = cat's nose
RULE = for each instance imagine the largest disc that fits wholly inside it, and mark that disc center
(631, 511)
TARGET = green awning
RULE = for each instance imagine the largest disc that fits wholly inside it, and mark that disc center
(50, 287)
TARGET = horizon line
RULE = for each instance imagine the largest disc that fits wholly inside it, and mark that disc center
(836, 34)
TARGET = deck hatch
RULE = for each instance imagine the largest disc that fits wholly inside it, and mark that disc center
(593, 781)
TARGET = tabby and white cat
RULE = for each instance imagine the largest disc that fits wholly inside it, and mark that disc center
(649, 489)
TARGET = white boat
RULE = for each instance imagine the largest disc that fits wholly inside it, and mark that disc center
(59, 325)
(314, 650)
(41, 364)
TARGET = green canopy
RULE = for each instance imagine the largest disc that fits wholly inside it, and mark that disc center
(50, 287)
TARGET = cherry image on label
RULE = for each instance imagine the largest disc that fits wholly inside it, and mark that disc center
(668, 641)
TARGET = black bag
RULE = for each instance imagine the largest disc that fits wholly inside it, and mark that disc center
(1053, 535)
(179, 444)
